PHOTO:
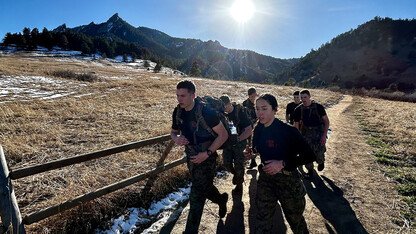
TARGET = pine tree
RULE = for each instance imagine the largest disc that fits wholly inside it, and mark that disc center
(46, 39)
(195, 71)
(35, 36)
(85, 49)
(28, 40)
(63, 41)
(8, 39)
(157, 68)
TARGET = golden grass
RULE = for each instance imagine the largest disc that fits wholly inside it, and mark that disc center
(391, 127)
(111, 112)
(395, 120)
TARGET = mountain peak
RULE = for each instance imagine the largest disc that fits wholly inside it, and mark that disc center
(113, 18)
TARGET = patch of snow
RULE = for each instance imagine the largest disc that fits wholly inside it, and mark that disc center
(159, 211)
(28, 87)
(109, 26)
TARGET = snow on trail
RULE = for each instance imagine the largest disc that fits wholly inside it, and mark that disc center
(158, 213)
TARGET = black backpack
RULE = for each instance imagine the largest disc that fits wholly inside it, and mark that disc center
(238, 108)
(218, 106)
(313, 111)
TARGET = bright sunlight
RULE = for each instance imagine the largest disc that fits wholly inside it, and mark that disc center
(242, 10)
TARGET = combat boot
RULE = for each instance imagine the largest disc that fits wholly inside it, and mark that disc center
(238, 187)
(321, 166)
(223, 205)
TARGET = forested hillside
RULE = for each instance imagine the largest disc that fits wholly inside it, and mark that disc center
(379, 53)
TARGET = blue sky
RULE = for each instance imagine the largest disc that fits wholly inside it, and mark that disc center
(279, 28)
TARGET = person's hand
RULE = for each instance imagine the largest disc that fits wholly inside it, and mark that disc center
(323, 140)
(181, 140)
(273, 166)
(248, 154)
(199, 158)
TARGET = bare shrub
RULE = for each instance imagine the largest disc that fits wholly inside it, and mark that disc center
(68, 74)
(387, 94)
(89, 77)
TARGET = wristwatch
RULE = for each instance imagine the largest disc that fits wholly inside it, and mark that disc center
(209, 152)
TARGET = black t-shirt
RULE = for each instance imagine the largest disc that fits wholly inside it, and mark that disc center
(310, 118)
(252, 110)
(290, 109)
(281, 141)
(243, 120)
(188, 127)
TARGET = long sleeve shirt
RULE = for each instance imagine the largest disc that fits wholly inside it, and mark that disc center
(281, 141)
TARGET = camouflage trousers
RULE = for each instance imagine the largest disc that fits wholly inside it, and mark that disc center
(202, 178)
(313, 137)
(290, 192)
(233, 160)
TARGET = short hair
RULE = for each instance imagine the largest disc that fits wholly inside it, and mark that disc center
(224, 98)
(305, 91)
(186, 84)
(251, 91)
(296, 93)
(270, 99)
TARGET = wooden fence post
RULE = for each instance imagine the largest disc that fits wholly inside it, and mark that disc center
(9, 209)
(145, 193)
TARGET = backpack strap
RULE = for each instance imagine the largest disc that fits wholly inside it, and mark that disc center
(179, 120)
(200, 119)
(237, 109)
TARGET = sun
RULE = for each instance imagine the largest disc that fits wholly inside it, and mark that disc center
(242, 10)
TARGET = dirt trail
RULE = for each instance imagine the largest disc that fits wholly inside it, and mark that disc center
(349, 196)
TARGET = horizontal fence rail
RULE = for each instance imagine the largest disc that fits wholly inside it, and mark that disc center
(10, 207)
(37, 216)
(28, 171)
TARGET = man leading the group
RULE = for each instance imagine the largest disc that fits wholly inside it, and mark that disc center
(200, 148)
(312, 121)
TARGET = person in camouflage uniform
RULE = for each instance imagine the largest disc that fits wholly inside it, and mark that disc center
(233, 157)
(282, 149)
(249, 103)
(200, 148)
(313, 123)
(290, 108)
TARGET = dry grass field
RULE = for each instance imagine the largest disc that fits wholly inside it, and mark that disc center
(391, 130)
(126, 104)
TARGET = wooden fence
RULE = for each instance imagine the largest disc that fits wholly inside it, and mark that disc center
(9, 209)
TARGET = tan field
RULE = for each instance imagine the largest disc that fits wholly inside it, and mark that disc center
(128, 104)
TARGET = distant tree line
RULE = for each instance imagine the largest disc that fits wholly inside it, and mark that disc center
(67, 40)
